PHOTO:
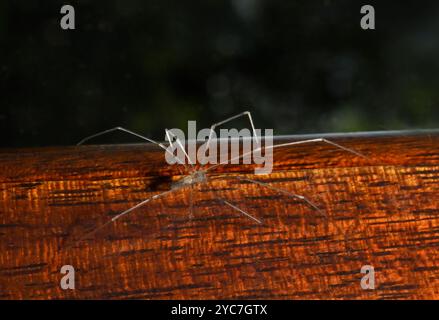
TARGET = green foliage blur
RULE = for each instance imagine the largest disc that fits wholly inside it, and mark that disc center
(299, 66)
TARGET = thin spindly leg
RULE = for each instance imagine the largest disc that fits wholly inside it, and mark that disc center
(285, 145)
(245, 113)
(168, 136)
(122, 214)
(123, 130)
(236, 208)
(132, 133)
(290, 194)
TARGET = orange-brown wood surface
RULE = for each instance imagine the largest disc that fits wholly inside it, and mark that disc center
(381, 211)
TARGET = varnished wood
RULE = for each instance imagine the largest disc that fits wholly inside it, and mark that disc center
(381, 211)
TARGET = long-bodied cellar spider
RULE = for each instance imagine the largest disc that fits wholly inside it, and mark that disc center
(197, 175)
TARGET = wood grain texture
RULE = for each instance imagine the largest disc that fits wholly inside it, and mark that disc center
(381, 211)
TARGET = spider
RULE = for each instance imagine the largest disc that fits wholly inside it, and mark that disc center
(199, 175)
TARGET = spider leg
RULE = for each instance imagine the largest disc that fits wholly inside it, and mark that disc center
(245, 113)
(123, 130)
(292, 195)
(120, 215)
(289, 144)
(240, 210)
(168, 136)
(236, 208)
(129, 132)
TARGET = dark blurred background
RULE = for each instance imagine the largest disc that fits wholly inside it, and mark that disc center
(299, 66)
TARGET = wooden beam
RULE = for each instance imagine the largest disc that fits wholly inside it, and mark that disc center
(381, 211)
